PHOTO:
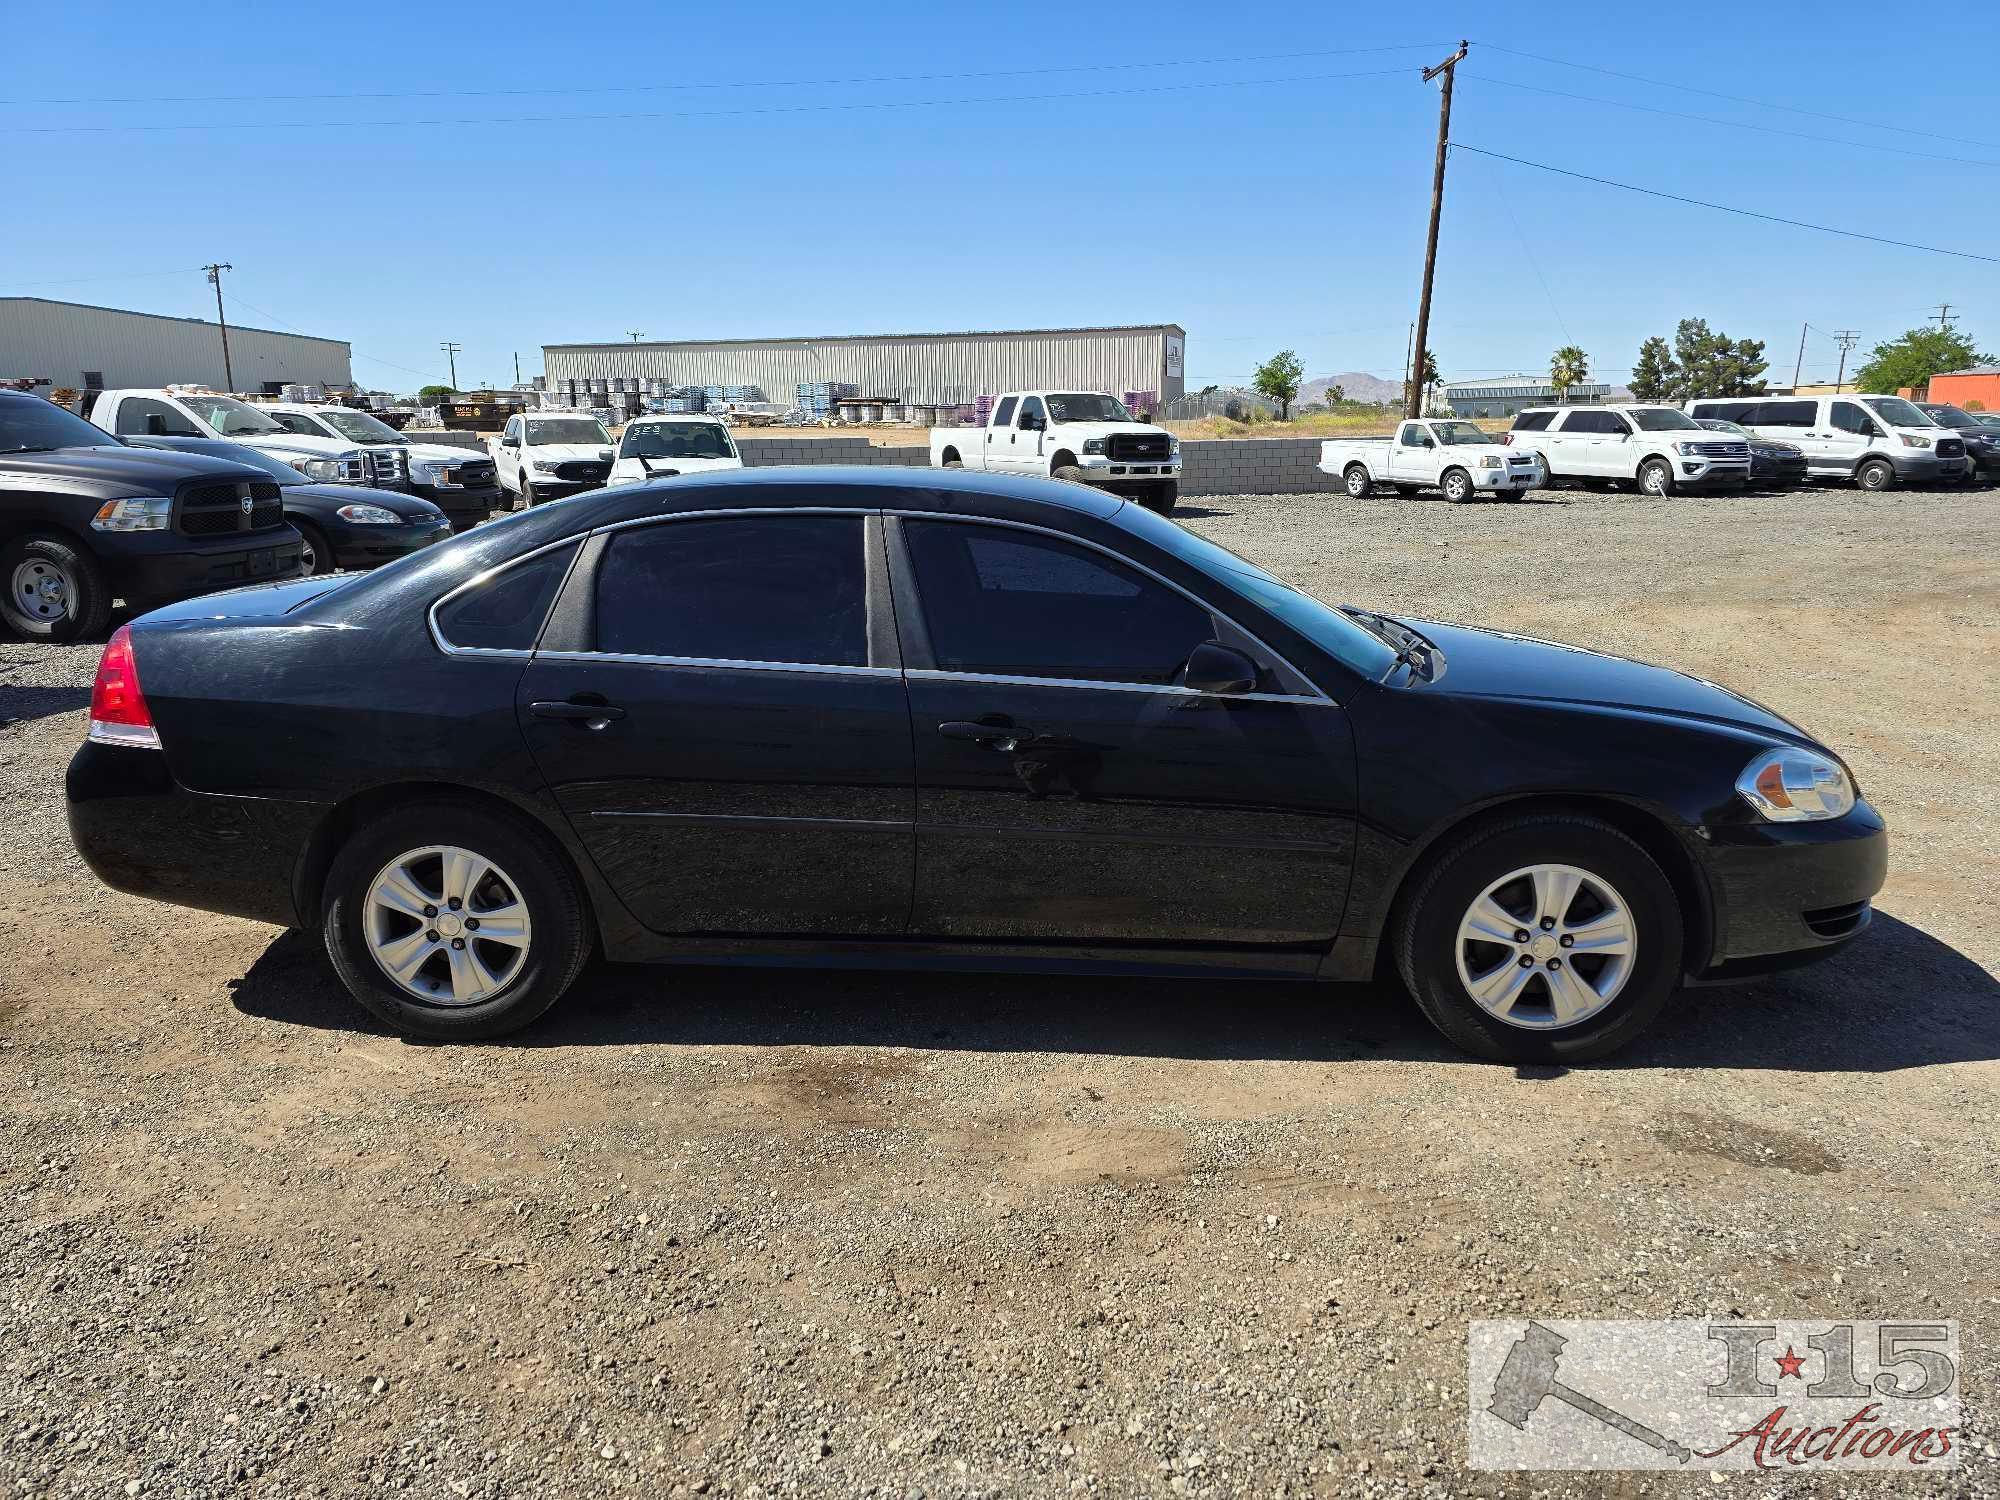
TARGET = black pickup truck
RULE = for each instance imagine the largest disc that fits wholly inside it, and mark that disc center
(86, 519)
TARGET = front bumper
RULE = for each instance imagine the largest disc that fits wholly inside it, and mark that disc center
(371, 546)
(144, 575)
(547, 489)
(1920, 467)
(467, 505)
(1790, 893)
(1509, 478)
(1710, 473)
(1098, 469)
(1778, 471)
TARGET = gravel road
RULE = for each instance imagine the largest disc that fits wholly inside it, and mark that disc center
(761, 1233)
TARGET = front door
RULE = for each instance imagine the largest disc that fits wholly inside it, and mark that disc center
(1414, 456)
(1068, 790)
(1848, 433)
(728, 734)
(1029, 427)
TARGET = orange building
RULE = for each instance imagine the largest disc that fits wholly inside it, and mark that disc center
(1973, 390)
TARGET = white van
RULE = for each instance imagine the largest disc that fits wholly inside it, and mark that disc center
(684, 443)
(1873, 440)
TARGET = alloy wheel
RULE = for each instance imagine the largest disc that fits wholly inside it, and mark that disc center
(1546, 946)
(43, 590)
(447, 925)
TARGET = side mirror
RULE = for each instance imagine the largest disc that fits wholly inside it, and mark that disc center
(507, 442)
(1219, 669)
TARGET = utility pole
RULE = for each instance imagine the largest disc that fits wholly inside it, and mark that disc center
(1944, 317)
(1800, 363)
(1847, 338)
(451, 352)
(1408, 345)
(1420, 340)
(215, 275)
(635, 336)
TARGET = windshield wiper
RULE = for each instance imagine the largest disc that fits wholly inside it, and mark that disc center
(1415, 651)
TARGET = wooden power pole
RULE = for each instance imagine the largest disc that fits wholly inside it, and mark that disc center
(215, 275)
(1415, 392)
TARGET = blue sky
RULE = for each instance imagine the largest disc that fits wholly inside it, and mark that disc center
(1220, 168)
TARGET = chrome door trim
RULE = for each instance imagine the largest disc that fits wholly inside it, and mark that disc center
(634, 659)
(933, 674)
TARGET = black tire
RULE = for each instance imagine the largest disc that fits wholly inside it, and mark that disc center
(1656, 478)
(1354, 479)
(1425, 936)
(954, 463)
(1457, 486)
(528, 501)
(1875, 475)
(1164, 496)
(51, 590)
(1068, 471)
(533, 863)
(315, 556)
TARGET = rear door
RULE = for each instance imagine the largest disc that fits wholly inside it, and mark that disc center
(1565, 443)
(719, 711)
(999, 435)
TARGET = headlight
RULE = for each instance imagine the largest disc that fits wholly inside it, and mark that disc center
(1913, 442)
(1792, 785)
(1174, 447)
(1491, 462)
(139, 513)
(1093, 445)
(327, 470)
(547, 465)
(1688, 450)
(369, 515)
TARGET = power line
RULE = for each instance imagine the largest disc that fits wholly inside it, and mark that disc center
(1748, 213)
(133, 276)
(754, 83)
(358, 354)
(1741, 99)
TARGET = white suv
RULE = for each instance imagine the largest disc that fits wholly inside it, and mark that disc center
(1659, 448)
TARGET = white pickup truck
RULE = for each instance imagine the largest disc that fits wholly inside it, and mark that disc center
(1084, 436)
(1455, 457)
(189, 411)
(546, 455)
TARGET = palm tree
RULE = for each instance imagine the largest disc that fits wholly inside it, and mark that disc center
(1568, 366)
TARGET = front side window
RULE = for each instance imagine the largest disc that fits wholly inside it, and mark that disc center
(1031, 413)
(737, 588)
(141, 416)
(1413, 436)
(230, 417)
(567, 430)
(1850, 418)
(676, 440)
(505, 612)
(1018, 604)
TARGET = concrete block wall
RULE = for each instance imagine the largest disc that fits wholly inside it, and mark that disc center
(760, 451)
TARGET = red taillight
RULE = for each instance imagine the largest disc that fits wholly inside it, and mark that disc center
(118, 712)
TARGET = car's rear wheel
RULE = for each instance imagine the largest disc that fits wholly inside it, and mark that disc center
(1357, 482)
(1457, 486)
(55, 592)
(1655, 478)
(315, 556)
(1546, 938)
(954, 462)
(1875, 475)
(450, 921)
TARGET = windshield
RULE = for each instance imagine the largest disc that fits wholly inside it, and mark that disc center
(1663, 419)
(229, 417)
(1326, 627)
(1951, 416)
(358, 425)
(1087, 408)
(1716, 424)
(1462, 434)
(32, 425)
(1898, 413)
(676, 440)
(567, 430)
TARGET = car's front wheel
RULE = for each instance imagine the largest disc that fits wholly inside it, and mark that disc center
(1457, 486)
(1655, 478)
(315, 556)
(1875, 475)
(55, 591)
(451, 921)
(1547, 938)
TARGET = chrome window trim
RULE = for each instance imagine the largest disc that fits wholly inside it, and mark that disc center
(633, 659)
(1316, 696)
(935, 674)
(499, 652)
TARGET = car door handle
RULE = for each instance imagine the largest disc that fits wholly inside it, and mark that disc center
(590, 715)
(994, 736)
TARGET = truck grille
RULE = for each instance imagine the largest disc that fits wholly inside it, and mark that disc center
(1951, 448)
(224, 509)
(385, 468)
(1723, 450)
(1138, 447)
(583, 471)
(474, 474)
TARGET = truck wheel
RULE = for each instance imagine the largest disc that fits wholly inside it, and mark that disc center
(54, 591)
(1655, 478)
(1068, 471)
(1457, 486)
(1357, 482)
(1163, 496)
(954, 462)
(1875, 475)
(527, 494)
(315, 556)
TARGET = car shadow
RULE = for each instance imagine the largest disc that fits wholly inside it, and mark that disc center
(1898, 999)
(1185, 512)
(22, 702)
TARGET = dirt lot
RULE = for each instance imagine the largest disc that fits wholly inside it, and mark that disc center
(766, 1232)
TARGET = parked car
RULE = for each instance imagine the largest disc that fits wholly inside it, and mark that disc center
(661, 447)
(85, 520)
(1873, 440)
(549, 455)
(902, 717)
(1658, 448)
(458, 481)
(178, 411)
(1982, 442)
(1085, 436)
(1773, 465)
(1450, 456)
(339, 525)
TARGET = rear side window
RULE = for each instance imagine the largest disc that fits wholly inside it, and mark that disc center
(1728, 411)
(1784, 414)
(742, 588)
(505, 612)
(1003, 414)
(1533, 421)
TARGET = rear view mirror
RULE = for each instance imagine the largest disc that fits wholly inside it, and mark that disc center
(1219, 669)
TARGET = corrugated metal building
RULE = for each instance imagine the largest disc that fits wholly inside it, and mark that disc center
(923, 368)
(1512, 394)
(78, 345)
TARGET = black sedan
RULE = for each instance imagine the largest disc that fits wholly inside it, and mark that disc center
(1773, 465)
(344, 525)
(1982, 441)
(910, 717)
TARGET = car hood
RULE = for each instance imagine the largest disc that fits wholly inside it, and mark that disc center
(1106, 429)
(444, 453)
(568, 452)
(113, 472)
(1499, 664)
(301, 444)
(312, 497)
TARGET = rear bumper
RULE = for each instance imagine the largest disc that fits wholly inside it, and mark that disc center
(143, 575)
(1788, 894)
(141, 831)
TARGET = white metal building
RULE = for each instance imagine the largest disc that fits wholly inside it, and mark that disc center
(77, 345)
(912, 368)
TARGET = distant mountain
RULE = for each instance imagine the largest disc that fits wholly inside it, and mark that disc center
(1355, 386)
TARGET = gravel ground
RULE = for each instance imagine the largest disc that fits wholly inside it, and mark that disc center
(775, 1233)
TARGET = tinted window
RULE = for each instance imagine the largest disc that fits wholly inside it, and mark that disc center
(1850, 418)
(28, 423)
(1592, 421)
(1784, 414)
(1413, 436)
(741, 588)
(1032, 407)
(505, 613)
(1532, 421)
(142, 417)
(1003, 414)
(1020, 604)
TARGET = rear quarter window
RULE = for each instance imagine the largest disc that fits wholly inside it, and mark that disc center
(505, 612)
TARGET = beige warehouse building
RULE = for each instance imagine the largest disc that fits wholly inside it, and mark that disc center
(905, 367)
(85, 347)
